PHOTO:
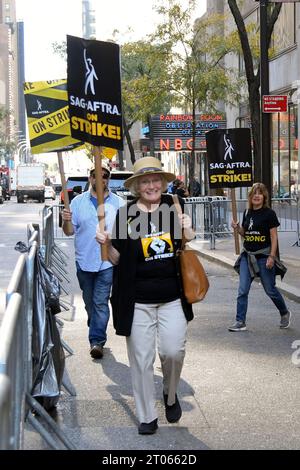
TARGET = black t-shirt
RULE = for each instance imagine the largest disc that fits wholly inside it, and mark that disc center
(257, 225)
(153, 233)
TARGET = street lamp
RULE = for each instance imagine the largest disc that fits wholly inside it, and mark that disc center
(21, 149)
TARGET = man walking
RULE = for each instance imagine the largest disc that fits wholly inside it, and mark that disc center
(94, 275)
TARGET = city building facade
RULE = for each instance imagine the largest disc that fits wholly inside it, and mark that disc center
(11, 76)
(88, 19)
(284, 79)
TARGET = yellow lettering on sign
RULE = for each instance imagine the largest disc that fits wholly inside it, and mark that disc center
(48, 123)
(244, 177)
(96, 128)
(92, 117)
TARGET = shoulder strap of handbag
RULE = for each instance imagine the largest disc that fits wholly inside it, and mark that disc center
(179, 211)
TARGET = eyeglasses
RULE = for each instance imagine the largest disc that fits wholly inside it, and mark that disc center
(149, 181)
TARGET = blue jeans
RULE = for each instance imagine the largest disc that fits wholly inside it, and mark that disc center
(95, 292)
(267, 277)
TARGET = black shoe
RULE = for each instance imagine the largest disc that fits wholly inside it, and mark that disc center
(173, 412)
(148, 428)
(96, 351)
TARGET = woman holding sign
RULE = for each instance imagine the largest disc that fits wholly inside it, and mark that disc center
(147, 299)
(259, 256)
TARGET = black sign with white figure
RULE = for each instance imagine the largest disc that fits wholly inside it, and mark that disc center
(94, 92)
(229, 158)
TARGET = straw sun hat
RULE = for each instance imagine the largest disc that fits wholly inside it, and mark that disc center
(148, 166)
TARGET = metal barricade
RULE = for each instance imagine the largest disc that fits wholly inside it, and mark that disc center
(16, 401)
(13, 375)
(212, 216)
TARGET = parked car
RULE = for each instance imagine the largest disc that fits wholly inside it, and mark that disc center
(116, 183)
(57, 188)
(80, 183)
(75, 185)
(50, 193)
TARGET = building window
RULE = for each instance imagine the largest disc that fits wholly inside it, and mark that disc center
(285, 152)
(284, 34)
(7, 6)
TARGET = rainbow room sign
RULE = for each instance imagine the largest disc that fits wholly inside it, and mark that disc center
(94, 91)
(175, 131)
(229, 158)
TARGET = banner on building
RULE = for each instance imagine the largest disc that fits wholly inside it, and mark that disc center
(229, 158)
(175, 131)
(94, 90)
(48, 117)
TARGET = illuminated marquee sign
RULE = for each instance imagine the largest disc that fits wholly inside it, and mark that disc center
(174, 131)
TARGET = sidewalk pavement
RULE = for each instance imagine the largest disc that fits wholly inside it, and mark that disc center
(224, 254)
(237, 390)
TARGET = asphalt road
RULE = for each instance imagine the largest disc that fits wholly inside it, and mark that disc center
(14, 218)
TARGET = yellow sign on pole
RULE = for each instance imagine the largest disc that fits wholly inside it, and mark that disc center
(48, 116)
(108, 152)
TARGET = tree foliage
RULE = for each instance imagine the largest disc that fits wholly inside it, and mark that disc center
(252, 71)
(145, 89)
(196, 75)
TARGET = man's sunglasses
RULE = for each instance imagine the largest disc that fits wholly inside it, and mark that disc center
(105, 176)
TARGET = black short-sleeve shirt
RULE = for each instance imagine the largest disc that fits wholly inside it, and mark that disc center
(257, 225)
(154, 251)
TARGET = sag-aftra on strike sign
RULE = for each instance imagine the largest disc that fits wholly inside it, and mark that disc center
(94, 91)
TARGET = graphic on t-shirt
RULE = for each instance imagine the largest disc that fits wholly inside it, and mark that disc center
(157, 246)
(254, 235)
(153, 227)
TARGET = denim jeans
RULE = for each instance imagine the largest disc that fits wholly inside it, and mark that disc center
(95, 288)
(267, 277)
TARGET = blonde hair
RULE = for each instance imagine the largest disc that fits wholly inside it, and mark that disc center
(134, 186)
(261, 189)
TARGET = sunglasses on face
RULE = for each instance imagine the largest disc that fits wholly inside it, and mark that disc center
(105, 176)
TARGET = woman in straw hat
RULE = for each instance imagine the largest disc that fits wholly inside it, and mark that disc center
(147, 300)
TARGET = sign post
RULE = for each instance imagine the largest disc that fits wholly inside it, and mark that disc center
(94, 92)
(68, 224)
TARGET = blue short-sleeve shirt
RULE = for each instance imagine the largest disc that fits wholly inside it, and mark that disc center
(85, 221)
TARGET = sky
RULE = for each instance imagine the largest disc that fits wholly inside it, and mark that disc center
(48, 21)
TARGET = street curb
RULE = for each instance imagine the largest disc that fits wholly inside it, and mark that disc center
(290, 292)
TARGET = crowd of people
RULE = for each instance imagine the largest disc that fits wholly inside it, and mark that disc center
(142, 279)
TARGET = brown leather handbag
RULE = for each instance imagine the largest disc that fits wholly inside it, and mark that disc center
(194, 279)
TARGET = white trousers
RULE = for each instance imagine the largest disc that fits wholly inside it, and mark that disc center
(166, 323)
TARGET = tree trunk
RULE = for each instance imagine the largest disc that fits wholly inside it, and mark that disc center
(121, 160)
(129, 141)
